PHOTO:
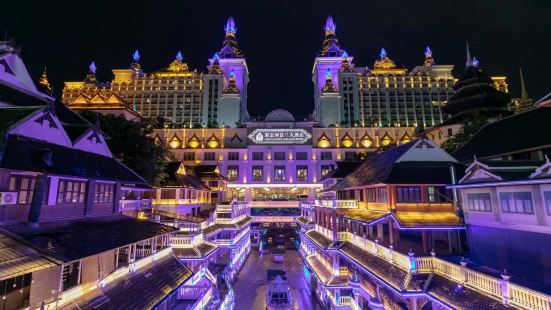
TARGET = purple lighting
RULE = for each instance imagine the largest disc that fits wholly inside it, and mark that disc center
(383, 53)
(136, 56)
(179, 56)
(230, 26)
(330, 24)
(92, 67)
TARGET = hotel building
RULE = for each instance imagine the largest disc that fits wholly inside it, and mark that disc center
(382, 95)
(178, 94)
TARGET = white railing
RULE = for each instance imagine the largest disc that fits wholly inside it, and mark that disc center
(502, 289)
(135, 204)
(337, 203)
(179, 241)
(307, 204)
(275, 204)
(274, 219)
(324, 231)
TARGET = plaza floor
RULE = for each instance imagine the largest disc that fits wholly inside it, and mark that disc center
(250, 286)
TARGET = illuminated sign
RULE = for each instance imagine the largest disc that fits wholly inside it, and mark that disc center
(280, 136)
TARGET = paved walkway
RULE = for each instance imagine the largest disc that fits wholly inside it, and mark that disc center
(250, 286)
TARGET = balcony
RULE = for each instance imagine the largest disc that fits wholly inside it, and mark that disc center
(337, 203)
(128, 205)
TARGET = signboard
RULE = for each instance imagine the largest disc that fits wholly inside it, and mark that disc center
(280, 136)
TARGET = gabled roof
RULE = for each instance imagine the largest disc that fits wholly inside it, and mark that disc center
(22, 153)
(515, 134)
(502, 171)
(177, 177)
(71, 239)
(12, 116)
(343, 168)
(416, 162)
(17, 259)
(206, 172)
(144, 289)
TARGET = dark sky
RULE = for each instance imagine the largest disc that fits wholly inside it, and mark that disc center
(280, 38)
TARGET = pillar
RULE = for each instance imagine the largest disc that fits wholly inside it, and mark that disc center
(390, 232)
(336, 263)
(248, 195)
(380, 232)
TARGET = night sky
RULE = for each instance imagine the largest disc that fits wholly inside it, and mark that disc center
(281, 38)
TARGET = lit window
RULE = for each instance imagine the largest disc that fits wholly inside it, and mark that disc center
(302, 173)
(516, 202)
(258, 173)
(547, 200)
(279, 173)
(386, 141)
(324, 142)
(194, 142)
(479, 202)
(367, 142)
(325, 169)
(347, 141)
(213, 142)
(233, 173)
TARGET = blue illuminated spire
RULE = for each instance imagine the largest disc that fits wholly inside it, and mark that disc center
(328, 74)
(230, 26)
(179, 56)
(330, 24)
(428, 52)
(232, 74)
(383, 53)
(216, 57)
(136, 56)
(92, 67)
(344, 54)
(475, 62)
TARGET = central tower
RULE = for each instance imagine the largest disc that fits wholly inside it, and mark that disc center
(226, 82)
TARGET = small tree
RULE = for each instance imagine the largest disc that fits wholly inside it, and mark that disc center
(131, 143)
(469, 126)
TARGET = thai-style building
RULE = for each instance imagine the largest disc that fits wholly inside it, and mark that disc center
(384, 243)
(507, 207)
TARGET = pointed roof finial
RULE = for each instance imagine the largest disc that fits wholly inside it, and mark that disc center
(475, 62)
(136, 56)
(232, 74)
(44, 82)
(329, 86)
(232, 87)
(92, 67)
(179, 56)
(469, 61)
(383, 53)
(428, 51)
(216, 57)
(230, 27)
(344, 54)
(330, 25)
(524, 92)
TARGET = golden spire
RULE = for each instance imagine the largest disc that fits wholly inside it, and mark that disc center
(231, 88)
(44, 81)
(215, 67)
(345, 63)
(329, 87)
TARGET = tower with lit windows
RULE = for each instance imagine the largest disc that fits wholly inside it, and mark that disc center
(225, 96)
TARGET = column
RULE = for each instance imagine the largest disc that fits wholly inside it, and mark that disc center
(380, 232)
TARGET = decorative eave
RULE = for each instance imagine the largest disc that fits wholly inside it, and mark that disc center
(477, 172)
(543, 171)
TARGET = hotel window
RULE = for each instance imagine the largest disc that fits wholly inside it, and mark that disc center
(258, 173)
(326, 156)
(547, 201)
(188, 156)
(479, 202)
(258, 156)
(301, 156)
(71, 275)
(233, 156)
(213, 184)
(104, 192)
(24, 186)
(233, 173)
(279, 173)
(325, 169)
(377, 194)
(349, 155)
(168, 193)
(408, 194)
(279, 155)
(439, 194)
(209, 156)
(516, 202)
(71, 191)
(302, 173)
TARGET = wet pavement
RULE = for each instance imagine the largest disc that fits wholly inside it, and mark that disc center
(250, 286)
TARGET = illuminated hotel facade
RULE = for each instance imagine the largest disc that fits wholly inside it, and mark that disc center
(278, 157)
(382, 95)
(178, 94)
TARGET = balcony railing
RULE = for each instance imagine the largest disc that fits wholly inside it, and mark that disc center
(135, 204)
(179, 241)
(337, 203)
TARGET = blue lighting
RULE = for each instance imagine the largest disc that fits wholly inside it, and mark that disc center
(179, 56)
(344, 54)
(92, 67)
(328, 74)
(230, 26)
(216, 57)
(232, 74)
(428, 51)
(475, 62)
(330, 24)
(383, 53)
(136, 56)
